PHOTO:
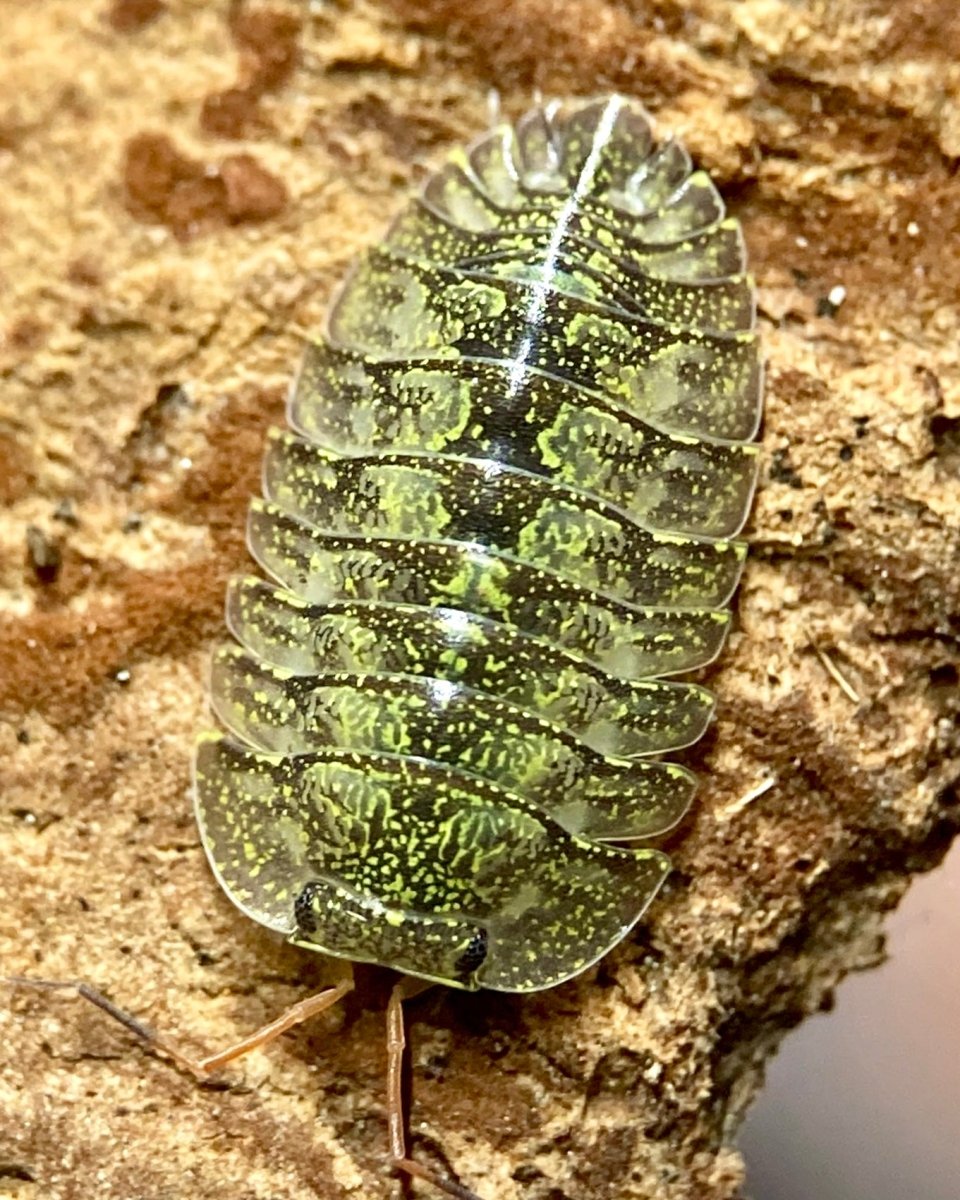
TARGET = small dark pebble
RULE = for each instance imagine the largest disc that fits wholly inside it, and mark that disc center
(15, 1170)
(781, 470)
(846, 453)
(946, 433)
(949, 796)
(172, 396)
(133, 523)
(38, 821)
(527, 1173)
(44, 555)
(130, 16)
(945, 677)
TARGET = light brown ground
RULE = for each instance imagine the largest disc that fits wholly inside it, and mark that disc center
(182, 183)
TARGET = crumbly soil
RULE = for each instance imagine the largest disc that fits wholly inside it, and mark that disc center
(182, 184)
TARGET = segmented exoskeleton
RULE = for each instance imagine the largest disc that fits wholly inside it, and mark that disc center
(521, 454)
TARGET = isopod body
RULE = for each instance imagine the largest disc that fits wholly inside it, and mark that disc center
(506, 512)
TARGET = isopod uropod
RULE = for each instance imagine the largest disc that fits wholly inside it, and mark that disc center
(506, 509)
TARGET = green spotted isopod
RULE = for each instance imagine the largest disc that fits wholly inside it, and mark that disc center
(521, 455)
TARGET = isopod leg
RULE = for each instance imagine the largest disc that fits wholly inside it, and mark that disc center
(303, 1010)
(406, 989)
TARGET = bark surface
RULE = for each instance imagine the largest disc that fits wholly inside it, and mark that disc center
(183, 184)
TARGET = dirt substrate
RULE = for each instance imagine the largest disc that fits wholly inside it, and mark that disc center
(183, 183)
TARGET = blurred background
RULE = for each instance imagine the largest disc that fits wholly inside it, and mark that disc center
(863, 1103)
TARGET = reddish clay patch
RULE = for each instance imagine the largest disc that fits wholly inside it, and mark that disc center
(84, 272)
(252, 193)
(923, 29)
(267, 41)
(18, 478)
(268, 38)
(26, 333)
(60, 663)
(539, 43)
(166, 187)
(233, 113)
(129, 16)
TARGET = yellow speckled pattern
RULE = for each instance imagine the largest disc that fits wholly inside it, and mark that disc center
(352, 405)
(621, 718)
(381, 858)
(627, 640)
(521, 456)
(520, 516)
(272, 709)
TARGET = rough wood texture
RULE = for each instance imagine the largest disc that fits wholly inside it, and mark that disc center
(183, 182)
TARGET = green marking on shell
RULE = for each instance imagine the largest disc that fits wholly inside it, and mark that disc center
(522, 453)
(627, 640)
(404, 836)
(271, 709)
(355, 405)
(394, 308)
(616, 717)
(511, 512)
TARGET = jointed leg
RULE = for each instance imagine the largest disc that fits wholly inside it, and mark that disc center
(303, 1010)
(406, 989)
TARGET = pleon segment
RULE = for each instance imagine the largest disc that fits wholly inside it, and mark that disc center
(599, 796)
(630, 642)
(522, 454)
